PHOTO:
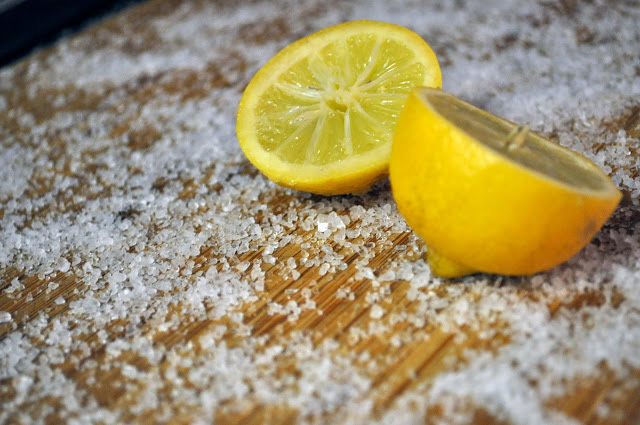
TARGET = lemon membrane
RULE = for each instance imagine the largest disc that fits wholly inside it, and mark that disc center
(319, 116)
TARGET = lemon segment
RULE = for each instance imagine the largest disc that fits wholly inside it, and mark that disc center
(319, 116)
(487, 194)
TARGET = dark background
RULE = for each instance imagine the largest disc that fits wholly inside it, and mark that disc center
(29, 24)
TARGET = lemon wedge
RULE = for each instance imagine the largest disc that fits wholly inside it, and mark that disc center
(487, 195)
(319, 116)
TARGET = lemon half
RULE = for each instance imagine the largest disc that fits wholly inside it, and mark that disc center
(487, 195)
(319, 116)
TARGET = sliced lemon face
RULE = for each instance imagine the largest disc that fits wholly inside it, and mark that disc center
(319, 116)
(488, 195)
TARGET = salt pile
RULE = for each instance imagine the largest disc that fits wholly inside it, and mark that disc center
(151, 274)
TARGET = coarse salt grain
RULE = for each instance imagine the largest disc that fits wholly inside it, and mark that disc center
(376, 311)
(5, 317)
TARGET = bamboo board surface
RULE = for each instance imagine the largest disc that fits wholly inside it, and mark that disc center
(151, 275)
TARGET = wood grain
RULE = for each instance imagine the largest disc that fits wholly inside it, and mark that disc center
(398, 351)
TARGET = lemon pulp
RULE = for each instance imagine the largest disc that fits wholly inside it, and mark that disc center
(320, 115)
(536, 153)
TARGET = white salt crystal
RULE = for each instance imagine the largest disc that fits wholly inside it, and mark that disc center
(60, 300)
(63, 265)
(5, 317)
(366, 273)
(387, 276)
(376, 311)
(129, 371)
(342, 293)
(22, 383)
(308, 305)
(15, 286)
(322, 226)
(274, 308)
(324, 268)
(243, 266)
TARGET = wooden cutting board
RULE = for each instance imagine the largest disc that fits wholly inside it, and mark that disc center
(151, 275)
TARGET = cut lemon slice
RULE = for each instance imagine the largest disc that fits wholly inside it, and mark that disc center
(319, 116)
(487, 195)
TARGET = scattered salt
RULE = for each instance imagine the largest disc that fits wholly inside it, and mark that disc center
(128, 214)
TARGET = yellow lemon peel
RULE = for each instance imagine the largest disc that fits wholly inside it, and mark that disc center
(489, 196)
